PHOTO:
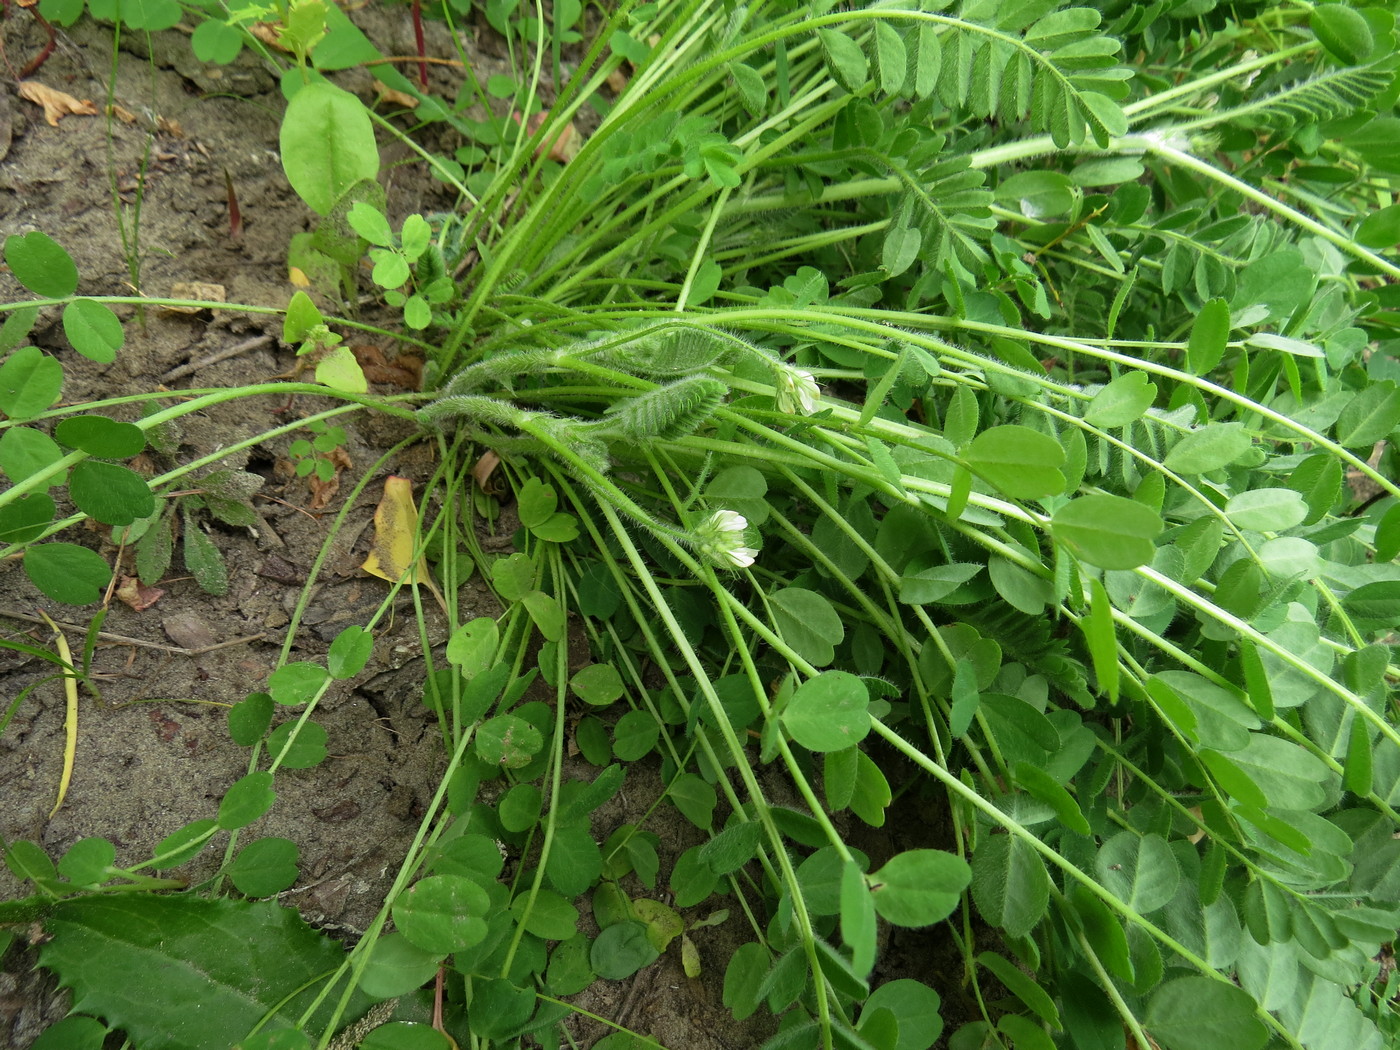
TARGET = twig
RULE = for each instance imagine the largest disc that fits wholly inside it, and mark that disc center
(216, 357)
(121, 639)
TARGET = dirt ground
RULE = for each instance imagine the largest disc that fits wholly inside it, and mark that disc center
(155, 754)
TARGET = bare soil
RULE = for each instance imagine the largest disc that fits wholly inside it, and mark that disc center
(154, 753)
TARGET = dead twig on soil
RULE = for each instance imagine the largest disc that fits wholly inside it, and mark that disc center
(121, 639)
(214, 358)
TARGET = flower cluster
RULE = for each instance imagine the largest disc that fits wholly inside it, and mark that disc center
(720, 537)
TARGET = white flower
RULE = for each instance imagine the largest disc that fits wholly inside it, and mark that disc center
(720, 538)
(797, 390)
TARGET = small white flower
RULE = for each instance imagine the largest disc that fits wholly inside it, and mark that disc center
(797, 390)
(721, 538)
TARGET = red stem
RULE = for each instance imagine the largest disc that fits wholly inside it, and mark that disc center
(42, 56)
(418, 39)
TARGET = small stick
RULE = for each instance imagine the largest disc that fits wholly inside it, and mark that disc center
(121, 639)
(216, 357)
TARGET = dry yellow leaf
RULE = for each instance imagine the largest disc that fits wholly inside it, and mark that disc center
(394, 97)
(395, 534)
(57, 104)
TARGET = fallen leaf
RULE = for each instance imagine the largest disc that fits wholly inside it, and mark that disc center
(298, 277)
(170, 127)
(269, 33)
(137, 595)
(122, 113)
(404, 371)
(566, 144)
(483, 471)
(57, 104)
(394, 97)
(322, 492)
(395, 534)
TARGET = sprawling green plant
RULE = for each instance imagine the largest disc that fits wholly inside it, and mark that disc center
(990, 403)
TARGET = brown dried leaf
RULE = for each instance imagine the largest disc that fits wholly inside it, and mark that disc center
(57, 104)
(322, 492)
(394, 97)
(137, 595)
(485, 467)
(122, 113)
(170, 127)
(566, 144)
(270, 34)
(404, 371)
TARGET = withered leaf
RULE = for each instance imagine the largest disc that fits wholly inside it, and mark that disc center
(57, 104)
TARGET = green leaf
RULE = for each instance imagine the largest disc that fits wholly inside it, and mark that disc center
(307, 750)
(140, 961)
(546, 613)
(1370, 416)
(404, 1035)
(844, 59)
(597, 684)
(964, 697)
(369, 222)
(1023, 987)
(1102, 639)
(327, 144)
(1210, 448)
(248, 799)
(621, 950)
(1108, 531)
(753, 93)
(349, 652)
(250, 718)
(1343, 32)
(25, 452)
(1021, 462)
(1209, 336)
(1038, 194)
(88, 862)
(1040, 784)
(915, 1007)
(72, 1033)
(297, 683)
(1202, 1013)
(264, 867)
(110, 493)
(203, 559)
(934, 584)
(66, 572)
(1010, 885)
(301, 319)
(215, 41)
(40, 264)
(732, 848)
(340, 371)
(443, 913)
(919, 887)
(508, 741)
(890, 58)
(101, 437)
(1380, 229)
(1267, 510)
(829, 712)
(1140, 870)
(93, 330)
(24, 520)
(808, 623)
(30, 381)
(635, 735)
(1388, 534)
(472, 647)
(397, 967)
